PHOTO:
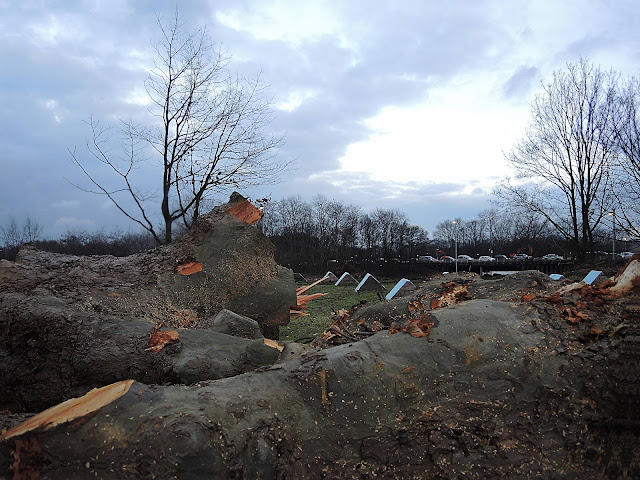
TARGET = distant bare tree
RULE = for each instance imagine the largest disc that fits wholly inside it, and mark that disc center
(11, 234)
(499, 227)
(447, 232)
(210, 134)
(31, 230)
(15, 235)
(567, 154)
(367, 233)
(386, 221)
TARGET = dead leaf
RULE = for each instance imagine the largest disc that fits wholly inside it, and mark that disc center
(420, 327)
(575, 316)
(158, 340)
(415, 305)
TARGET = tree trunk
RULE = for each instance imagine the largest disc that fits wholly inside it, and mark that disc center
(495, 389)
(51, 353)
(69, 323)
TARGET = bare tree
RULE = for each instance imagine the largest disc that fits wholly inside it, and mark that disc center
(567, 153)
(386, 221)
(368, 234)
(292, 222)
(447, 232)
(209, 134)
(11, 234)
(14, 236)
(627, 175)
(499, 226)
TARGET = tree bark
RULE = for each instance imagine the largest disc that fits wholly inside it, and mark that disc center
(69, 324)
(49, 352)
(496, 389)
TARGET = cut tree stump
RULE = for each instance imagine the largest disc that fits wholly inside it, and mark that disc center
(69, 324)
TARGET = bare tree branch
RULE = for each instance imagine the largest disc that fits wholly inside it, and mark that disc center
(210, 133)
(567, 154)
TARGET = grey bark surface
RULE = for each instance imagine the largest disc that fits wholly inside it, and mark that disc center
(511, 378)
(237, 325)
(69, 323)
(492, 392)
(50, 352)
(239, 273)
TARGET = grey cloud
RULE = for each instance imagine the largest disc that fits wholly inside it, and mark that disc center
(521, 82)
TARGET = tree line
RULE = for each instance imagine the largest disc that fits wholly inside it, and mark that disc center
(310, 236)
(500, 231)
(117, 243)
(321, 234)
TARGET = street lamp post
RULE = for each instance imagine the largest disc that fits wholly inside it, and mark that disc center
(455, 240)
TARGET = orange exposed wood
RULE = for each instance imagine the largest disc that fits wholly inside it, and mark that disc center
(246, 212)
(71, 409)
(188, 268)
(628, 279)
(305, 289)
(453, 294)
(273, 344)
(304, 299)
(158, 340)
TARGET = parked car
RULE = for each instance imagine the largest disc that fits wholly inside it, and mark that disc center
(464, 258)
(426, 259)
(501, 258)
(447, 258)
(552, 256)
(626, 255)
(521, 256)
(486, 258)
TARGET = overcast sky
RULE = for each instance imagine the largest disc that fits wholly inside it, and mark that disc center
(391, 104)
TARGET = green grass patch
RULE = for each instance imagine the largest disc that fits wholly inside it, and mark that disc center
(320, 309)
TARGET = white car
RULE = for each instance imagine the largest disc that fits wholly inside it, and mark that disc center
(521, 256)
(626, 255)
(464, 258)
(486, 258)
(552, 256)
